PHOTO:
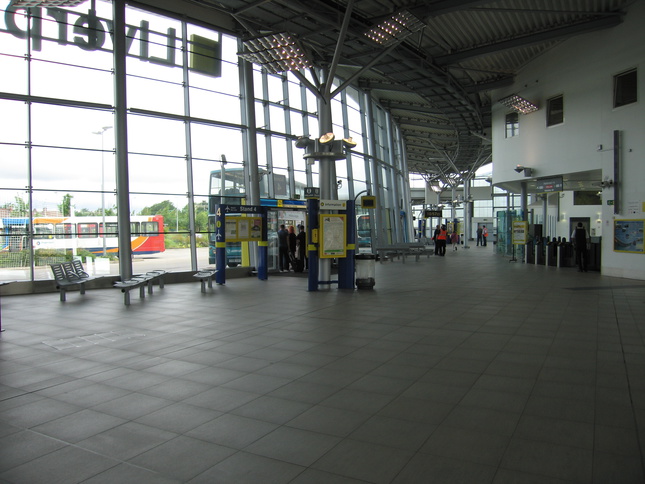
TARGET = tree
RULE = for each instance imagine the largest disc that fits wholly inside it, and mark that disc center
(21, 207)
(166, 209)
(66, 206)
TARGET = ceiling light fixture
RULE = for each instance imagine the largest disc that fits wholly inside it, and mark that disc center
(518, 104)
(349, 142)
(275, 52)
(395, 28)
(327, 137)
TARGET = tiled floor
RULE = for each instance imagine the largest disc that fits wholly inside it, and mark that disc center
(460, 369)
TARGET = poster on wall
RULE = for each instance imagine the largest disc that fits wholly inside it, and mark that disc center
(243, 229)
(628, 236)
(333, 239)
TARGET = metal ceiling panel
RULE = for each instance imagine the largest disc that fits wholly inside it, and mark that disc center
(435, 82)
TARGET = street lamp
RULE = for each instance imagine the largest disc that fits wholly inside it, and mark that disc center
(102, 132)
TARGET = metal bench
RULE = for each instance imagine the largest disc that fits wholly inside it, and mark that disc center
(205, 277)
(141, 281)
(69, 274)
(402, 250)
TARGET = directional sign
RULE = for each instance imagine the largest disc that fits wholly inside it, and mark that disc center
(312, 192)
(554, 184)
(242, 209)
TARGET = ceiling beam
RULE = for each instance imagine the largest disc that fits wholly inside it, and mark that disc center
(559, 33)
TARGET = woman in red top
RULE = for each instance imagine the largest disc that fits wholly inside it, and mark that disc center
(441, 239)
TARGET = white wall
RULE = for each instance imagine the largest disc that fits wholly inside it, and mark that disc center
(582, 69)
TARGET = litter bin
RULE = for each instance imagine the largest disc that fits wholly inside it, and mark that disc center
(365, 271)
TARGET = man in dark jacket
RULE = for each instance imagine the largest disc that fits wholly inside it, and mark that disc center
(580, 239)
(283, 249)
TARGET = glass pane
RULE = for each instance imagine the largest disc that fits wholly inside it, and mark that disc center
(17, 81)
(14, 167)
(260, 120)
(156, 136)
(279, 148)
(151, 174)
(71, 127)
(215, 106)
(275, 86)
(280, 185)
(70, 169)
(358, 167)
(202, 170)
(295, 96)
(69, 82)
(277, 119)
(297, 126)
(13, 121)
(211, 142)
(167, 97)
(341, 168)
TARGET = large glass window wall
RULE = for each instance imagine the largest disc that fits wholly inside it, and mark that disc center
(184, 123)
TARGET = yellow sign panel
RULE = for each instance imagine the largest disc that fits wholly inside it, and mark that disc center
(520, 232)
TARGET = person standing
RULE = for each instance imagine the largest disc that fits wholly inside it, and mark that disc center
(454, 239)
(291, 240)
(580, 240)
(479, 235)
(283, 249)
(484, 235)
(435, 236)
(443, 235)
(301, 244)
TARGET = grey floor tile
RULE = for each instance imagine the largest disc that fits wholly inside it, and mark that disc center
(232, 430)
(296, 446)
(69, 465)
(561, 432)
(245, 468)
(38, 412)
(179, 417)
(182, 458)
(394, 432)
(466, 444)
(483, 420)
(130, 473)
(424, 468)
(79, 426)
(222, 399)
(328, 420)
(126, 441)
(24, 446)
(551, 460)
(272, 409)
(362, 460)
(609, 467)
(132, 405)
(175, 389)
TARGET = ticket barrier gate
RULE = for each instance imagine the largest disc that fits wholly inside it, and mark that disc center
(566, 255)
